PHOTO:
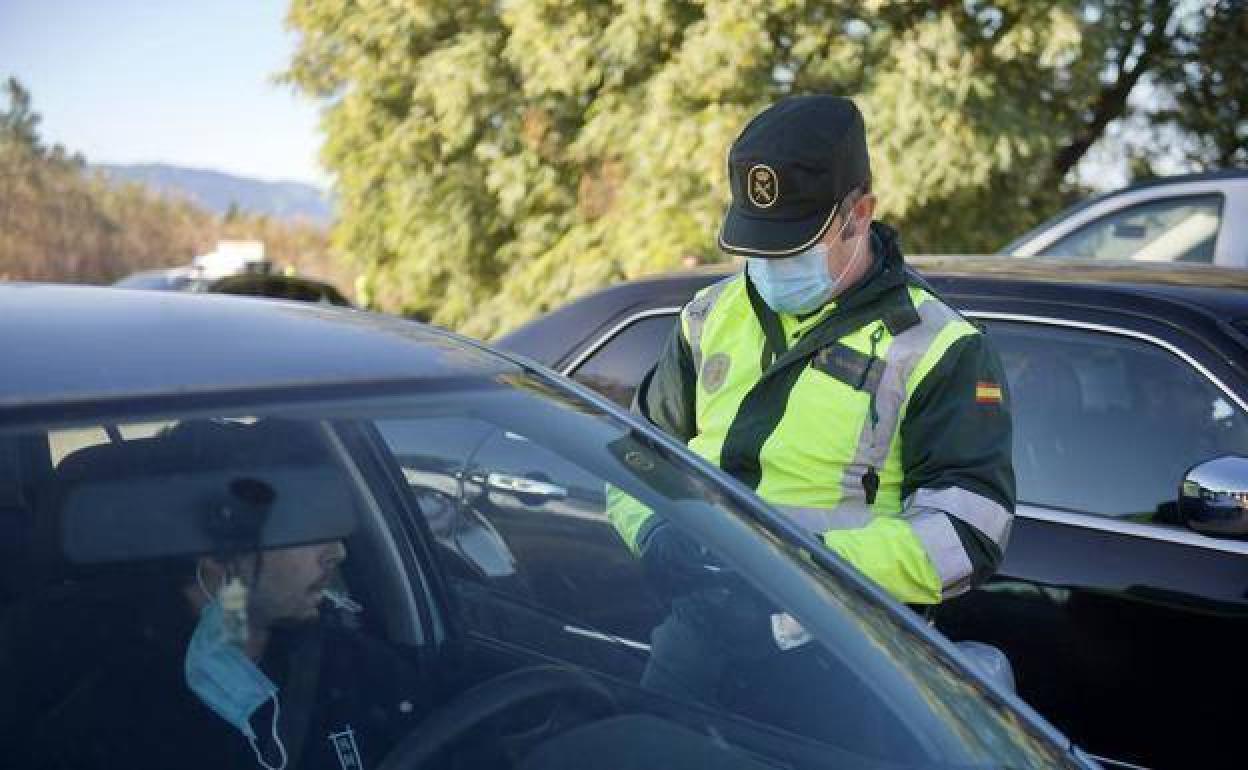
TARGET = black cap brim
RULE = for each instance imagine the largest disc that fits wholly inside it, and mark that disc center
(751, 236)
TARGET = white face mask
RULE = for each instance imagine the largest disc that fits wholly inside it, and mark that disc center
(801, 284)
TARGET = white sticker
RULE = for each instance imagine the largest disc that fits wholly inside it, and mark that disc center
(787, 632)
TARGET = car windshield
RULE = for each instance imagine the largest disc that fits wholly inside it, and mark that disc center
(477, 573)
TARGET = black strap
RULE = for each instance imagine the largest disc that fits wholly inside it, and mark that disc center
(773, 330)
(900, 317)
(764, 405)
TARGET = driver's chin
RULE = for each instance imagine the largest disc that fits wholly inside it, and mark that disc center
(306, 610)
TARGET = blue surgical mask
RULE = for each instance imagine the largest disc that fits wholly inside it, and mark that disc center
(227, 681)
(799, 284)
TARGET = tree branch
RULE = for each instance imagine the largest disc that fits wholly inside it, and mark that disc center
(1111, 104)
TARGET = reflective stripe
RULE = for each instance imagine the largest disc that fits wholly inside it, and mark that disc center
(943, 547)
(899, 361)
(982, 513)
(820, 520)
(694, 316)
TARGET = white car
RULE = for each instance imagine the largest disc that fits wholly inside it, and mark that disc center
(1197, 218)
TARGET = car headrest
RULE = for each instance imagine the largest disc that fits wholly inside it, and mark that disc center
(203, 487)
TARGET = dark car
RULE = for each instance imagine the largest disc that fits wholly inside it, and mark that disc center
(256, 283)
(1122, 615)
(177, 454)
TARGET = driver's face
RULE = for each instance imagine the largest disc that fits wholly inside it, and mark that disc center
(291, 581)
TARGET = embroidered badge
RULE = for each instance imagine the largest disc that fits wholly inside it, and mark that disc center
(348, 752)
(763, 186)
(715, 372)
(987, 393)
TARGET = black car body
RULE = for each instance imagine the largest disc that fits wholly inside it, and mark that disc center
(1123, 624)
(140, 432)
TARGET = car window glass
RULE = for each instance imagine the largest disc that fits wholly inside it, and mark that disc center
(1173, 230)
(130, 560)
(539, 526)
(118, 542)
(615, 369)
(1107, 424)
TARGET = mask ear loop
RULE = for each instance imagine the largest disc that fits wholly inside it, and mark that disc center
(277, 741)
(199, 579)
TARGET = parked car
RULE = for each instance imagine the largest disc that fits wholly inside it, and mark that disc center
(251, 284)
(1121, 615)
(468, 488)
(1194, 218)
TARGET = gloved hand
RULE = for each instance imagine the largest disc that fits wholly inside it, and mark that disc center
(675, 563)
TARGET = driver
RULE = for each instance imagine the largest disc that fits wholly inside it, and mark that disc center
(238, 662)
(295, 689)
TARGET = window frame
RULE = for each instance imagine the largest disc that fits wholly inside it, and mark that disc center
(1028, 510)
(1075, 227)
(604, 339)
(1103, 523)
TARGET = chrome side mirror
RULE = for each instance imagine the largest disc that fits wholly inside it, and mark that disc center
(1213, 498)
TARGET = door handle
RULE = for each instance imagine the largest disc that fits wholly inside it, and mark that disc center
(523, 486)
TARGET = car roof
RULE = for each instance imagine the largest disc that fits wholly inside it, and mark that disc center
(81, 344)
(1219, 292)
(1204, 295)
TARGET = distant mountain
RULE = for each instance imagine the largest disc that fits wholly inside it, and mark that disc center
(217, 191)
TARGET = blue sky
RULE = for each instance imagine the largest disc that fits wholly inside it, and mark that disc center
(187, 82)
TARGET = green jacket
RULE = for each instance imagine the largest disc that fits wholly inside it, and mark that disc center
(880, 423)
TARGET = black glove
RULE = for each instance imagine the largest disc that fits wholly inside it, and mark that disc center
(674, 562)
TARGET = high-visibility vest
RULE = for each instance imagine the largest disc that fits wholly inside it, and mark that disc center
(821, 440)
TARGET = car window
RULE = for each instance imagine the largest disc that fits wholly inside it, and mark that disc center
(236, 580)
(1106, 424)
(538, 540)
(616, 368)
(1173, 230)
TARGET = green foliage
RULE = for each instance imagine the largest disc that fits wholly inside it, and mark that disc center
(1208, 76)
(495, 160)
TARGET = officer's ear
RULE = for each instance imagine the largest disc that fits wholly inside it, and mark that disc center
(859, 214)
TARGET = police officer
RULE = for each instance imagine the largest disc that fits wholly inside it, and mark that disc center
(830, 379)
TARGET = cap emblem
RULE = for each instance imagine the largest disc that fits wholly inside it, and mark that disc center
(763, 186)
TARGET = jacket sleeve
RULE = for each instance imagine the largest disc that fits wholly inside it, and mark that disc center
(958, 484)
(958, 480)
(665, 398)
(666, 394)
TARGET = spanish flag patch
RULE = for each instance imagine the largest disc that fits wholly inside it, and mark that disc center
(987, 392)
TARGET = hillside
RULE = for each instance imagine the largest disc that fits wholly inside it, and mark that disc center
(216, 191)
(62, 221)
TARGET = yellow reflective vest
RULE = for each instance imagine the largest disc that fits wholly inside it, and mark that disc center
(880, 423)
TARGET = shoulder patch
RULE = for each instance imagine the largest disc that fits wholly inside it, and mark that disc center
(715, 372)
(987, 392)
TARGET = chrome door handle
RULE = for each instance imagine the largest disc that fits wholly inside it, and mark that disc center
(523, 486)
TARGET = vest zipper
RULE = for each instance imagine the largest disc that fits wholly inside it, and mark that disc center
(871, 479)
(876, 336)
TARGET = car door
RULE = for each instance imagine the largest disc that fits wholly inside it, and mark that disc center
(1123, 626)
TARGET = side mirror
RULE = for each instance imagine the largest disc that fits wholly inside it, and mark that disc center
(1213, 498)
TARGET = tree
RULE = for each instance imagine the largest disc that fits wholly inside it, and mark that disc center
(495, 160)
(18, 123)
(1208, 80)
